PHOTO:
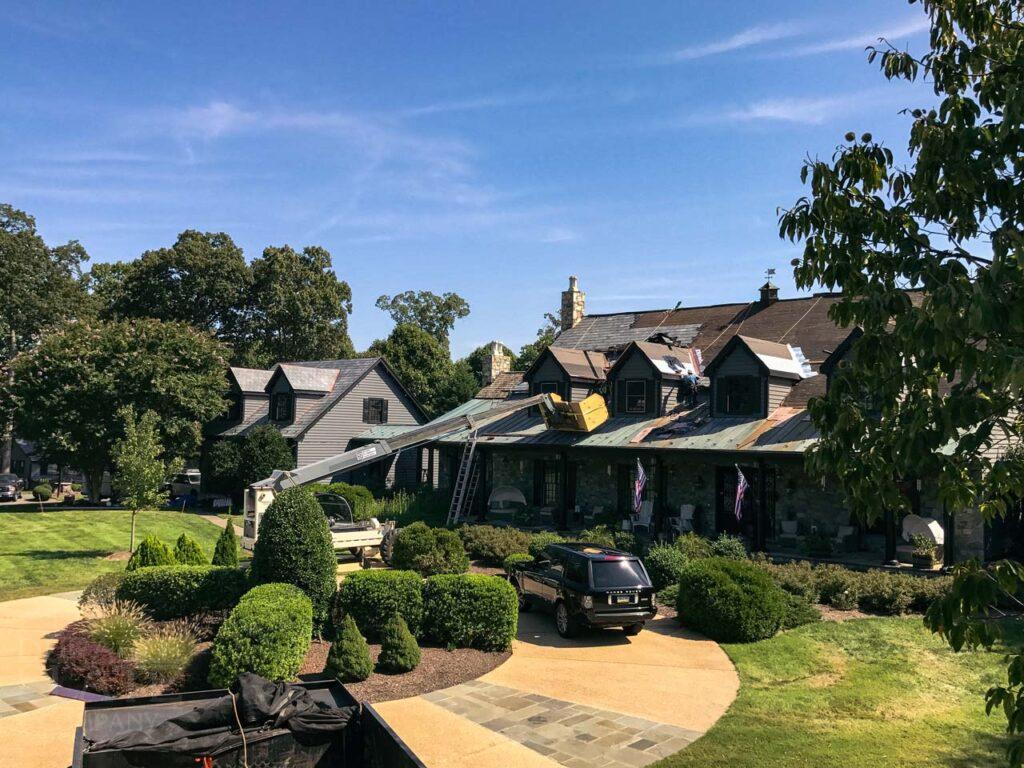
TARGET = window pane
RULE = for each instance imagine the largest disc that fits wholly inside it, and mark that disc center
(552, 490)
(618, 573)
(738, 395)
(636, 396)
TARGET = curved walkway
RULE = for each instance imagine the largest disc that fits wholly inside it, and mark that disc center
(603, 699)
(35, 728)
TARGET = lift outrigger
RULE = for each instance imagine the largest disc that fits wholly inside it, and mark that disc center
(357, 537)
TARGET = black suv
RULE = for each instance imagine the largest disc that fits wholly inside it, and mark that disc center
(587, 586)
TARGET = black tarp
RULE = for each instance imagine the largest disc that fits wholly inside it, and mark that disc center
(213, 728)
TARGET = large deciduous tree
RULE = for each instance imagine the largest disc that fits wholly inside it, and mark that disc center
(420, 361)
(546, 334)
(933, 387)
(201, 280)
(299, 309)
(69, 388)
(434, 314)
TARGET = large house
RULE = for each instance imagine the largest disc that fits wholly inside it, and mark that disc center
(696, 395)
(319, 406)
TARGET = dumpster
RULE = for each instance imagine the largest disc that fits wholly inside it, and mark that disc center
(306, 725)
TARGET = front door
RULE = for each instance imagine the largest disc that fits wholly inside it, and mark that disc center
(726, 520)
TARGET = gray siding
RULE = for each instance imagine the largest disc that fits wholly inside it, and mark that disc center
(669, 397)
(778, 388)
(636, 366)
(254, 407)
(331, 434)
(580, 392)
(548, 371)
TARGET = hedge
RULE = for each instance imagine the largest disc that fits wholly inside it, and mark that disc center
(175, 591)
(513, 560)
(372, 597)
(664, 563)
(429, 551)
(267, 633)
(294, 547)
(360, 498)
(492, 545)
(730, 600)
(470, 611)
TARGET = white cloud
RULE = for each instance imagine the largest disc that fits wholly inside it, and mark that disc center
(893, 34)
(813, 110)
(560, 235)
(746, 38)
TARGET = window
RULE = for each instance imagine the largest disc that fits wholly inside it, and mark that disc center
(738, 395)
(375, 410)
(618, 574)
(234, 407)
(281, 406)
(636, 396)
(576, 570)
(552, 484)
(18, 466)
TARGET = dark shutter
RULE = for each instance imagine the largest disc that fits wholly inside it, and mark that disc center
(538, 482)
(366, 410)
(383, 411)
(651, 398)
(620, 397)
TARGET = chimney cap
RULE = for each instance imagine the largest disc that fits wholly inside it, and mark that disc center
(574, 283)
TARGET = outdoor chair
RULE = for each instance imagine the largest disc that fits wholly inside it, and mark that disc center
(590, 517)
(643, 518)
(681, 523)
(846, 538)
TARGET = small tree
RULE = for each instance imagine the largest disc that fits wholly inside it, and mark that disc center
(398, 649)
(226, 551)
(188, 552)
(349, 659)
(140, 470)
(263, 451)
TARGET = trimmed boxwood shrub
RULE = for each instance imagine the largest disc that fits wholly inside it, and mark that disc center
(79, 662)
(175, 591)
(294, 547)
(188, 552)
(798, 612)
(267, 633)
(730, 600)
(226, 550)
(349, 659)
(42, 492)
(797, 578)
(885, 593)
(492, 544)
(359, 498)
(151, 551)
(470, 611)
(372, 597)
(512, 560)
(102, 591)
(729, 546)
(542, 540)
(664, 564)
(398, 649)
(693, 546)
(429, 551)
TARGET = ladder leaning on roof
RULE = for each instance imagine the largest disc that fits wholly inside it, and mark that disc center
(465, 482)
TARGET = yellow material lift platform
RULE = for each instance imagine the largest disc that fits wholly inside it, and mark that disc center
(583, 416)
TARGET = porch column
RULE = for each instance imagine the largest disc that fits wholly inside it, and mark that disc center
(660, 495)
(563, 474)
(761, 513)
(890, 538)
(949, 537)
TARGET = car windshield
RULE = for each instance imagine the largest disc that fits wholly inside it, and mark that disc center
(619, 573)
(8, 479)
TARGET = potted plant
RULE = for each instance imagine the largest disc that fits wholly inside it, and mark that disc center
(925, 552)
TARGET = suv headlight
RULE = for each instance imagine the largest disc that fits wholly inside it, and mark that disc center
(588, 602)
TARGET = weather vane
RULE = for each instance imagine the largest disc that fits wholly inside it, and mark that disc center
(769, 274)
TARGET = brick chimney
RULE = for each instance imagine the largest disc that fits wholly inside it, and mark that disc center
(769, 294)
(495, 362)
(572, 304)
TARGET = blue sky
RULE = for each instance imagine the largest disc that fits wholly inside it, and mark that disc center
(486, 148)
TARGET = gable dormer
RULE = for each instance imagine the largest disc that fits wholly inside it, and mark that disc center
(246, 394)
(751, 377)
(572, 374)
(651, 379)
(293, 388)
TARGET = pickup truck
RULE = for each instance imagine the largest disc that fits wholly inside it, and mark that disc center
(586, 586)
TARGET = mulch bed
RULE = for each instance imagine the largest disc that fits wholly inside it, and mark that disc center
(477, 566)
(439, 668)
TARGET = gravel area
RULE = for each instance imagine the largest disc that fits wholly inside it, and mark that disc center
(439, 668)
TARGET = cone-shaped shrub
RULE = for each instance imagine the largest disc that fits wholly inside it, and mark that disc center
(188, 552)
(226, 551)
(294, 547)
(398, 649)
(151, 551)
(349, 659)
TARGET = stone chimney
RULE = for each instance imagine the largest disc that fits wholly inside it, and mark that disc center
(769, 294)
(572, 304)
(495, 362)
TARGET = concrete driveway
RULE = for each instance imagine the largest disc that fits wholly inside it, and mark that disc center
(602, 699)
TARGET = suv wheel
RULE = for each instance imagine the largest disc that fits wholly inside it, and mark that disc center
(567, 625)
(387, 545)
(633, 629)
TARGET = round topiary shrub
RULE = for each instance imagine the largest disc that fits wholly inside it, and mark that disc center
(413, 542)
(470, 610)
(226, 551)
(372, 597)
(349, 659)
(664, 563)
(729, 546)
(267, 633)
(429, 551)
(398, 649)
(151, 551)
(294, 547)
(188, 552)
(492, 544)
(42, 492)
(729, 600)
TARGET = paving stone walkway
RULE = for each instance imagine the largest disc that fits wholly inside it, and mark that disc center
(17, 699)
(574, 735)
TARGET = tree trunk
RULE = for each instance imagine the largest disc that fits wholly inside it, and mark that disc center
(7, 446)
(95, 484)
(132, 547)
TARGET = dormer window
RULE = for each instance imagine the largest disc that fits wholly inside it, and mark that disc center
(738, 395)
(636, 396)
(282, 406)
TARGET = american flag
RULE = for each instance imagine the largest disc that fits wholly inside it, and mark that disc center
(741, 491)
(638, 487)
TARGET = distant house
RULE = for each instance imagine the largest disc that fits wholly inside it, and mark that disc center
(696, 395)
(319, 406)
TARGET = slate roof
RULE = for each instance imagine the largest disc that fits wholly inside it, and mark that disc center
(503, 386)
(669, 360)
(307, 378)
(251, 380)
(581, 364)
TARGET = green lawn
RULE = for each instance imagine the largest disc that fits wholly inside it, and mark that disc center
(45, 552)
(864, 693)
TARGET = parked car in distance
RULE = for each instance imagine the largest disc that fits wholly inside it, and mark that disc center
(10, 487)
(587, 586)
(185, 483)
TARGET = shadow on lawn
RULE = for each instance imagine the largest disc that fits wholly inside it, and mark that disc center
(64, 554)
(980, 751)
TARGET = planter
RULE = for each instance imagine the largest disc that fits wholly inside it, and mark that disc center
(923, 562)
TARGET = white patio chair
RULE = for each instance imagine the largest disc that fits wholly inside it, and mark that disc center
(643, 518)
